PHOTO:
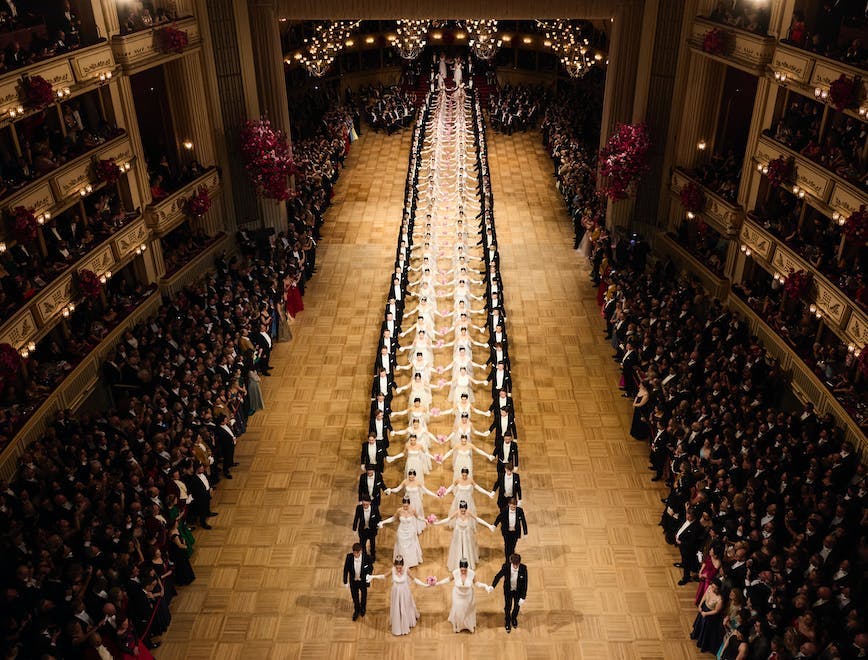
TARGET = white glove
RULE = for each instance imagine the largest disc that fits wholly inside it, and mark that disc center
(520, 602)
(489, 588)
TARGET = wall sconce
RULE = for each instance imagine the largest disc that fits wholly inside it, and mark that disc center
(690, 215)
(105, 277)
(812, 308)
(2, 247)
(188, 145)
(547, 43)
(527, 40)
(87, 190)
(780, 76)
(460, 35)
(369, 40)
(350, 43)
(63, 92)
(863, 110)
(14, 112)
(701, 145)
(779, 278)
(42, 218)
(765, 169)
(297, 56)
(391, 37)
(436, 35)
(141, 249)
(744, 248)
(507, 38)
(821, 93)
(106, 75)
(759, 167)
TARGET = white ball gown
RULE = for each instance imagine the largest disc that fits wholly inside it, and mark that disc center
(403, 613)
(462, 616)
(464, 545)
(407, 541)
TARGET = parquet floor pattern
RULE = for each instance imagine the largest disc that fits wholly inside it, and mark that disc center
(601, 578)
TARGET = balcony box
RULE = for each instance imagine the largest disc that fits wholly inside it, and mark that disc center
(141, 50)
(748, 51)
(724, 216)
(165, 215)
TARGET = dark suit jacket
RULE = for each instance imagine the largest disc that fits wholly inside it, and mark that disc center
(511, 455)
(503, 520)
(359, 519)
(364, 458)
(496, 426)
(367, 568)
(390, 385)
(516, 486)
(521, 582)
(379, 487)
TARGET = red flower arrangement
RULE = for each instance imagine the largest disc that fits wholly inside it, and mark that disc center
(24, 224)
(170, 39)
(266, 159)
(200, 203)
(692, 198)
(797, 283)
(856, 227)
(624, 159)
(38, 91)
(715, 42)
(780, 170)
(10, 360)
(842, 92)
(88, 283)
(107, 170)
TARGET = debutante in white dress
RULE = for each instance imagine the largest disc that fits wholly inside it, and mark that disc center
(463, 492)
(462, 616)
(407, 540)
(403, 613)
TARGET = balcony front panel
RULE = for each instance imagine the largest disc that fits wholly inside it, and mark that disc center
(50, 302)
(810, 176)
(721, 214)
(845, 199)
(20, 330)
(795, 62)
(140, 50)
(89, 63)
(745, 50)
(38, 196)
(857, 329)
(758, 240)
(167, 214)
(99, 261)
(130, 238)
(831, 301)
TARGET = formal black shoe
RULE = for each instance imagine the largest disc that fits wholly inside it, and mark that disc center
(206, 526)
(152, 645)
(235, 464)
(211, 514)
(683, 581)
(678, 564)
(507, 626)
(515, 623)
(227, 476)
(362, 613)
(355, 615)
(655, 478)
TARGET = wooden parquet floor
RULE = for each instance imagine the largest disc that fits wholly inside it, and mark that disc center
(601, 579)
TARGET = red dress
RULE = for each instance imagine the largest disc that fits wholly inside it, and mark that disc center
(294, 303)
(706, 574)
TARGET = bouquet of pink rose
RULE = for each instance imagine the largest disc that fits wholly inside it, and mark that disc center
(438, 458)
(430, 580)
(435, 411)
(431, 519)
(267, 159)
(624, 159)
(441, 491)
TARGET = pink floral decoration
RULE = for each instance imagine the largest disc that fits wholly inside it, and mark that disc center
(842, 93)
(780, 170)
(715, 42)
(438, 458)
(430, 580)
(692, 198)
(435, 411)
(441, 491)
(10, 360)
(624, 159)
(856, 227)
(267, 160)
(431, 519)
(797, 283)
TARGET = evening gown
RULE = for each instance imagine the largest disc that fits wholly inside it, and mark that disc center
(708, 631)
(294, 302)
(403, 614)
(464, 545)
(462, 616)
(407, 541)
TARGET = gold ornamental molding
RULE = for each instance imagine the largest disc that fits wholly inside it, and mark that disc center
(746, 50)
(20, 331)
(756, 239)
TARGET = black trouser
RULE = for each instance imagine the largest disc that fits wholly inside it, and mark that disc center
(511, 606)
(510, 539)
(359, 592)
(371, 538)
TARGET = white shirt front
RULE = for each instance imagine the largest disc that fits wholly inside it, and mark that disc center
(513, 578)
(357, 567)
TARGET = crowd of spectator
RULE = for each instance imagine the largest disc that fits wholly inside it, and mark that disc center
(571, 134)
(704, 243)
(165, 178)
(721, 174)
(29, 266)
(28, 36)
(839, 151)
(387, 108)
(516, 108)
(836, 30)
(135, 16)
(766, 504)
(743, 14)
(45, 147)
(97, 523)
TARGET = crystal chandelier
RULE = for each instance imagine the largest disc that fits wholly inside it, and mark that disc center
(572, 49)
(483, 38)
(412, 35)
(322, 48)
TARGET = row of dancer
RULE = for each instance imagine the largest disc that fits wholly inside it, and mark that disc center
(438, 261)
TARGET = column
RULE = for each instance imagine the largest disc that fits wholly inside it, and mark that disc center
(763, 111)
(122, 97)
(627, 32)
(699, 112)
(109, 11)
(190, 116)
(271, 88)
